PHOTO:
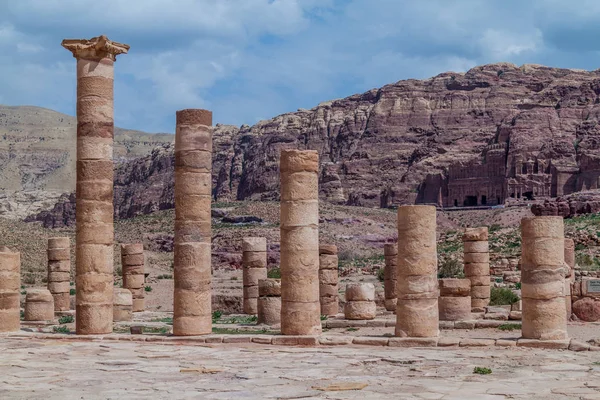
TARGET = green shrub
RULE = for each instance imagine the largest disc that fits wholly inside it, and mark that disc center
(482, 371)
(450, 268)
(65, 319)
(509, 327)
(72, 292)
(61, 329)
(216, 315)
(274, 273)
(165, 276)
(502, 296)
(381, 274)
(148, 288)
(323, 317)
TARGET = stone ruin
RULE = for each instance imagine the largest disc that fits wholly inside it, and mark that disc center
(309, 281)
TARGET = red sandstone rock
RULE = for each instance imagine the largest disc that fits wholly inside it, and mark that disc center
(587, 309)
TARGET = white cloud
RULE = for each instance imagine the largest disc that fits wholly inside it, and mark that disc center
(249, 58)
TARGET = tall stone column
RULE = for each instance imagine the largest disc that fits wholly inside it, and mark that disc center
(477, 265)
(192, 314)
(390, 271)
(59, 272)
(254, 264)
(299, 242)
(328, 279)
(10, 286)
(94, 207)
(543, 278)
(417, 312)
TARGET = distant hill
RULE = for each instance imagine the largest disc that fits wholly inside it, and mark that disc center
(38, 149)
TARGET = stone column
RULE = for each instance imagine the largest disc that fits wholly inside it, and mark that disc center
(299, 242)
(328, 279)
(254, 264)
(417, 312)
(132, 264)
(477, 265)
(542, 278)
(39, 305)
(360, 301)
(94, 208)
(192, 314)
(10, 286)
(570, 274)
(269, 301)
(59, 272)
(455, 299)
(122, 305)
(390, 271)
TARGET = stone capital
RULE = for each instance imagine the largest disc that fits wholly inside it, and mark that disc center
(95, 48)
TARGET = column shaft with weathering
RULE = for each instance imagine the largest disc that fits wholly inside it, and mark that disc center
(543, 278)
(132, 269)
(417, 286)
(328, 279)
(390, 253)
(299, 243)
(254, 263)
(59, 272)
(477, 265)
(94, 192)
(10, 286)
(192, 314)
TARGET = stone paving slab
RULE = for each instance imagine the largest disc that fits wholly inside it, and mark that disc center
(61, 369)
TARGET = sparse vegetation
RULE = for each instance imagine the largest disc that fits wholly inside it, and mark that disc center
(482, 371)
(509, 327)
(61, 329)
(450, 268)
(72, 292)
(165, 276)
(502, 296)
(324, 317)
(381, 274)
(249, 319)
(166, 320)
(274, 273)
(216, 315)
(65, 319)
(351, 329)
(233, 278)
(238, 331)
(148, 288)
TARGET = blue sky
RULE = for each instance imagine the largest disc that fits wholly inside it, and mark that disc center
(248, 60)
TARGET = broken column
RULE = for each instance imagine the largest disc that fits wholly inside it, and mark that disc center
(94, 192)
(417, 291)
(299, 242)
(570, 274)
(455, 299)
(122, 305)
(254, 264)
(39, 305)
(192, 314)
(360, 301)
(328, 279)
(542, 278)
(390, 271)
(477, 265)
(269, 301)
(59, 272)
(132, 265)
(10, 284)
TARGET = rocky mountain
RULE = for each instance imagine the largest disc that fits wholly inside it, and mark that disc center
(38, 148)
(496, 133)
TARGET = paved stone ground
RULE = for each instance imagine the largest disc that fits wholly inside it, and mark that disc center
(48, 369)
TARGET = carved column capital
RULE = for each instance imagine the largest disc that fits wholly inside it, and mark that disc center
(95, 48)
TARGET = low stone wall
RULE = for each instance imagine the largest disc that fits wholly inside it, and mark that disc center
(585, 299)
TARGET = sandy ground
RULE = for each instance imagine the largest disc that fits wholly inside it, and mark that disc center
(36, 369)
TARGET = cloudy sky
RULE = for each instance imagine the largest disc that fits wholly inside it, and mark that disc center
(249, 60)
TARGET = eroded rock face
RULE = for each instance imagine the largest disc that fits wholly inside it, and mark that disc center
(482, 137)
(587, 202)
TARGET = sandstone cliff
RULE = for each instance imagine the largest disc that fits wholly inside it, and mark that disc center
(481, 137)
